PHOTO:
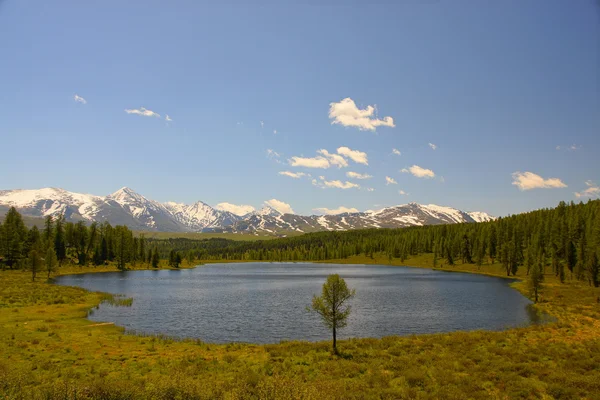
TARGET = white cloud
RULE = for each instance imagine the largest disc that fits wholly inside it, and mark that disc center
(419, 172)
(167, 118)
(240, 210)
(333, 159)
(79, 99)
(356, 175)
(336, 211)
(370, 190)
(262, 124)
(557, 147)
(295, 175)
(574, 147)
(143, 112)
(390, 181)
(274, 131)
(355, 155)
(334, 184)
(346, 113)
(529, 180)
(592, 190)
(433, 146)
(396, 152)
(309, 162)
(402, 193)
(340, 185)
(280, 206)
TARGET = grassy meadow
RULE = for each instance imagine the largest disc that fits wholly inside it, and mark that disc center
(51, 351)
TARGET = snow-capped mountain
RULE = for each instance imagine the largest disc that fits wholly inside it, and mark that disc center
(401, 216)
(126, 207)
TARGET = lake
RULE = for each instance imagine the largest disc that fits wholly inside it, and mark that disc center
(266, 302)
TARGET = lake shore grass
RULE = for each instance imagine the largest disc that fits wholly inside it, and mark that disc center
(50, 350)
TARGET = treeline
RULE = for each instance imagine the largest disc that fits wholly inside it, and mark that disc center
(563, 240)
(96, 244)
(69, 243)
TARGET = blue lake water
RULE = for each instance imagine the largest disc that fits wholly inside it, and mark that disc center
(266, 302)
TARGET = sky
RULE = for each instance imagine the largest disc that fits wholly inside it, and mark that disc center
(316, 107)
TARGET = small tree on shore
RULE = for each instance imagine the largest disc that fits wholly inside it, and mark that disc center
(536, 277)
(330, 305)
(50, 261)
(34, 263)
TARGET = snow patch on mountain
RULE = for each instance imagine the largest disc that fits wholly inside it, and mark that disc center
(126, 207)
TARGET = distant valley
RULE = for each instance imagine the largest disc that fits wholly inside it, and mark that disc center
(126, 207)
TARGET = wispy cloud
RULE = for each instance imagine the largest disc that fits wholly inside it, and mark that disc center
(433, 146)
(280, 206)
(390, 181)
(573, 147)
(346, 113)
(167, 118)
(295, 175)
(274, 131)
(356, 175)
(79, 99)
(419, 172)
(324, 183)
(143, 112)
(592, 190)
(396, 152)
(355, 155)
(529, 180)
(262, 124)
(240, 210)
(402, 193)
(335, 211)
(272, 153)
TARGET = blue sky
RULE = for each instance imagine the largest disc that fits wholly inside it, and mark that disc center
(495, 87)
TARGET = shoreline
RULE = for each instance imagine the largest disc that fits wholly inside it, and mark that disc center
(45, 335)
(108, 297)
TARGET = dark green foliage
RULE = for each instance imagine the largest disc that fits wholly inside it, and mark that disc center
(34, 262)
(155, 258)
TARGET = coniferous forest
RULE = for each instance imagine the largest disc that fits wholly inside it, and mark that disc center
(563, 241)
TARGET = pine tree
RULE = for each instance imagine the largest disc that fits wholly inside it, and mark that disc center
(34, 263)
(49, 231)
(155, 258)
(536, 277)
(59, 241)
(50, 261)
(15, 235)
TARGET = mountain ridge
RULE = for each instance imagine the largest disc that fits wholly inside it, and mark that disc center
(127, 207)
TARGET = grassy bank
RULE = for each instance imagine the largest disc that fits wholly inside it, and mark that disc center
(50, 350)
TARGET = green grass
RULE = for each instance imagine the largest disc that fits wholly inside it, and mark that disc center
(51, 351)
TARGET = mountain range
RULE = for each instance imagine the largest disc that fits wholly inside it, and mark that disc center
(126, 207)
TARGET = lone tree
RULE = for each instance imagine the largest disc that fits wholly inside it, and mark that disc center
(330, 305)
